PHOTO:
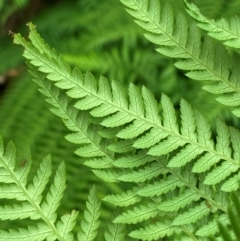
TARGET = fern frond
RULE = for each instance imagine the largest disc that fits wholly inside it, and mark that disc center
(179, 202)
(124, 199)
(234, 214)
(160, 187)
(138, 214)
(83, 133)
(205, 61)
(115, 232)
(91, 215)
(32, 205)
(154, 231)
(225, 30)
(186, 141)
(191, 216)
(211, 228)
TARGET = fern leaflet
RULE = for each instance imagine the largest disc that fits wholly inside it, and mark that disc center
(91, 214)
(224, 30)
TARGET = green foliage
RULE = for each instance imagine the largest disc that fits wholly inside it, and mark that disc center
(30, 201)
(234, 216)
(205, 61)
(32, 204)
(223, 29)
(179, 177)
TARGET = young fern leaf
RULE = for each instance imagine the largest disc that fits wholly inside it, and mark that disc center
(30, 200)
(189, 147)
(205, 61)
(223, 29)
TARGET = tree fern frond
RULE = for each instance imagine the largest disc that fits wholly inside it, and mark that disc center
(203, 61)
(91, 215)
(32, 206)
(225, 30)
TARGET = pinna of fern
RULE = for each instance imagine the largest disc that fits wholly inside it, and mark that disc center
(29, 203)
(139, 140)
(234, 216)
(140, 122)
(225, 30)
(203, 61)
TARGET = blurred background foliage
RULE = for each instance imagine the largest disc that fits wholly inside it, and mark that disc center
(96, 36)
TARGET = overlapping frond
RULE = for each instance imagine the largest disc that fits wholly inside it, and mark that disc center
(204, 61)
(115, 232)
(91, 221)
(138, 138)
(225, 30)
(139, 116)
(30, 201)
(83, 133)
(234, 214)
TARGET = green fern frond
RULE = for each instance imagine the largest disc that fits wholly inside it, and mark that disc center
(124, 199)
(90, 223)
(189, 146)
(115, 232)
(154, 231)
(234, 214)
(138, 214)
(31, 203)
(225, 30)
(205, 61)
(84, 133)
